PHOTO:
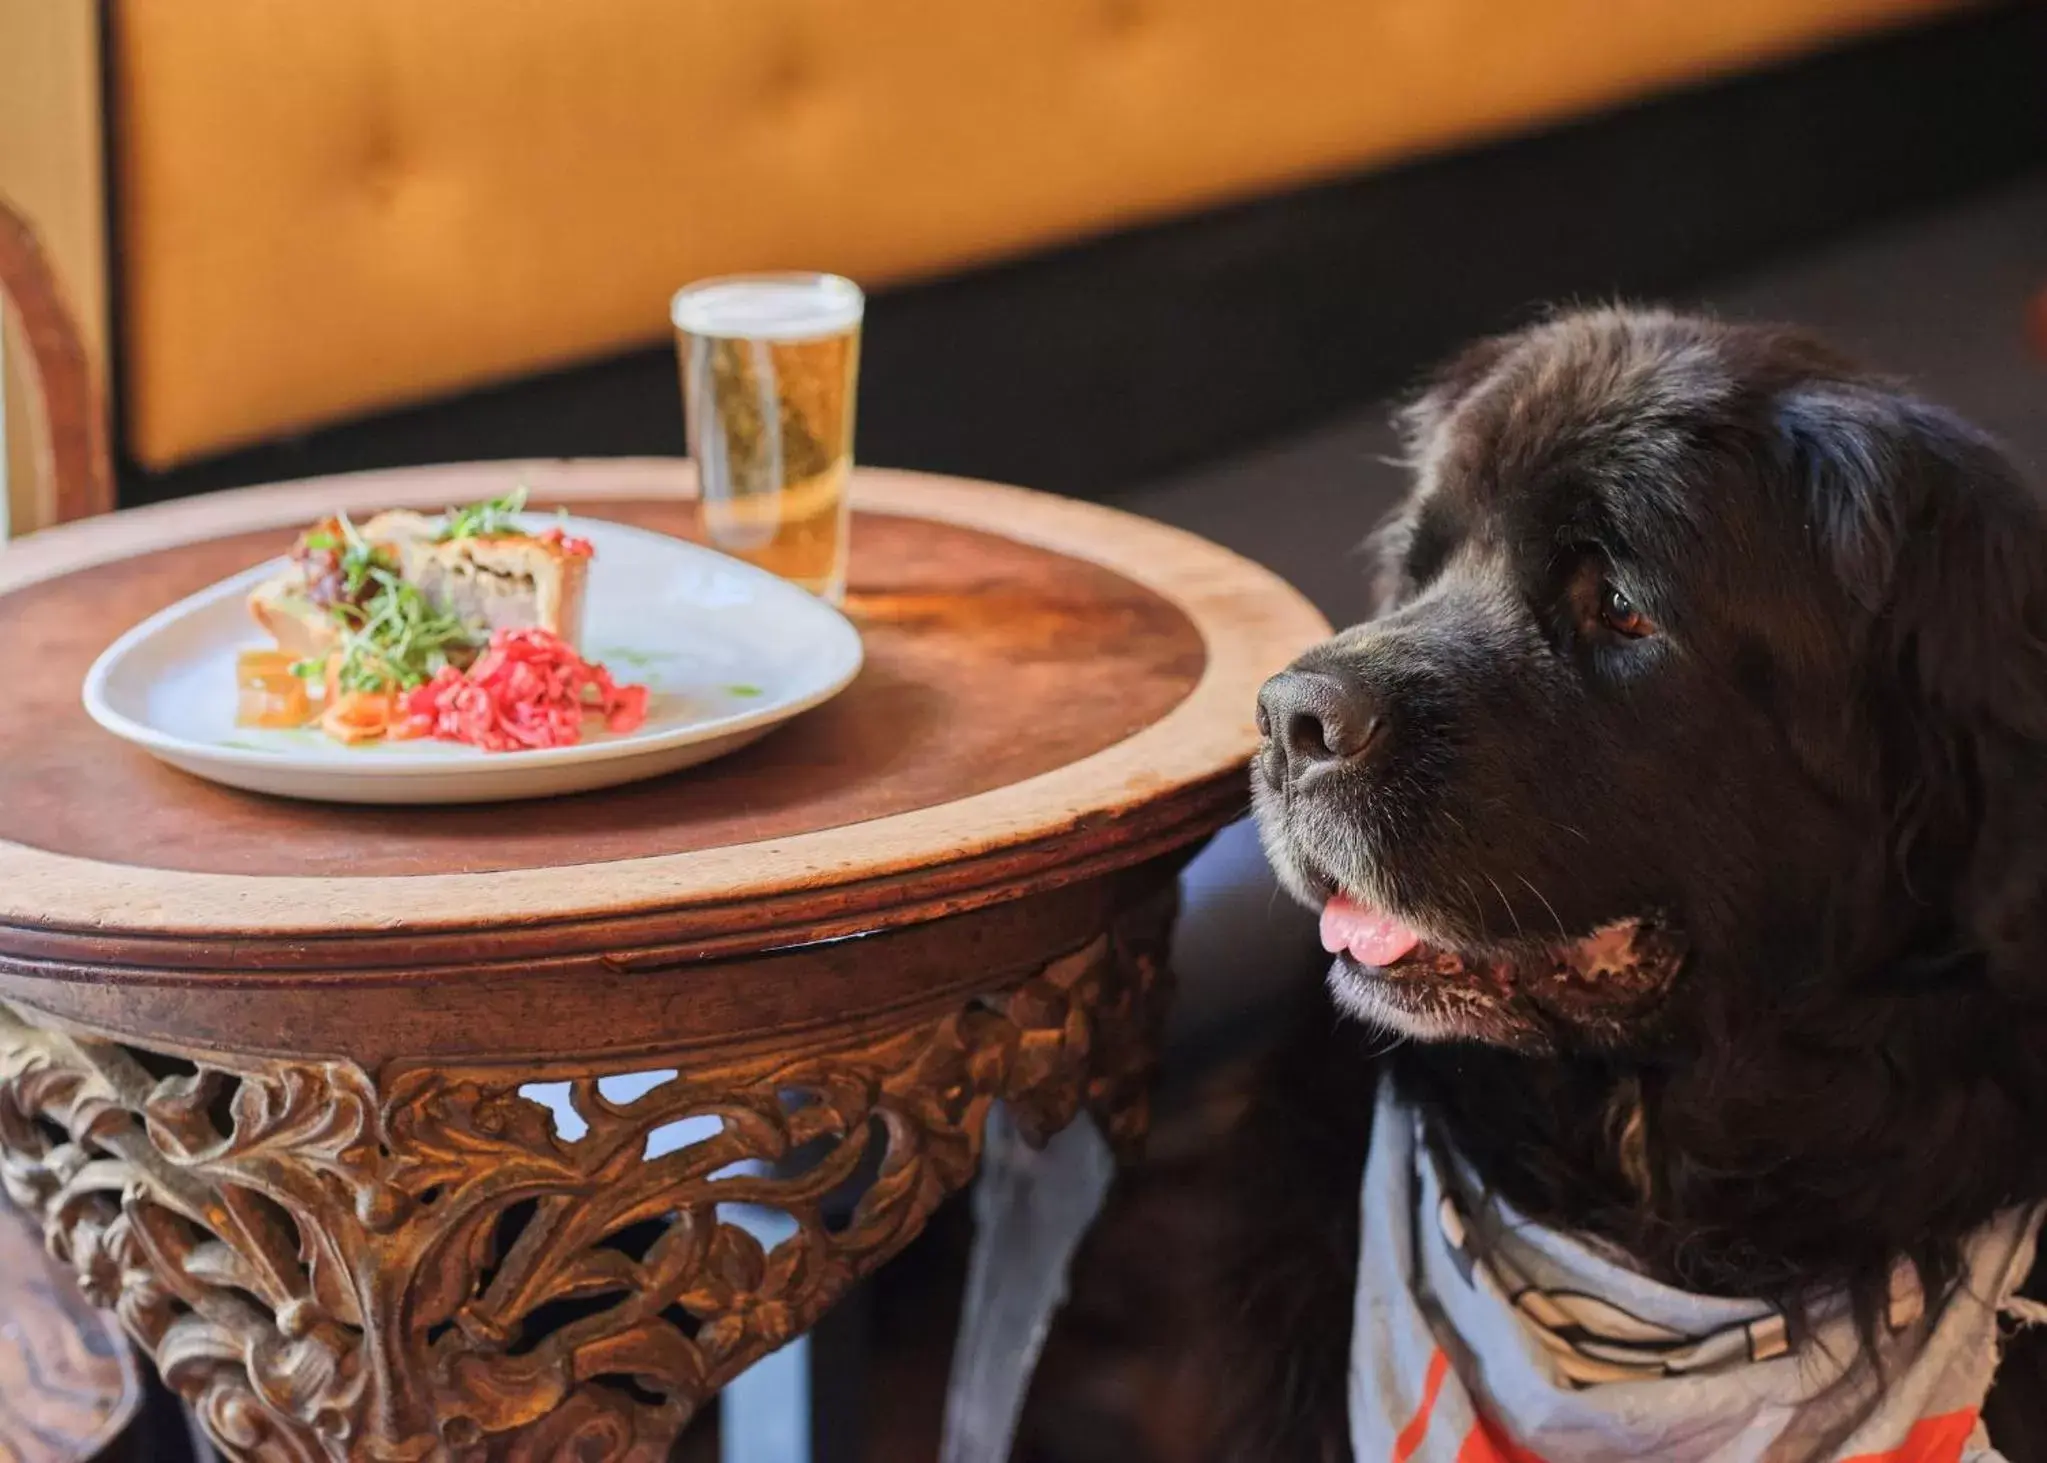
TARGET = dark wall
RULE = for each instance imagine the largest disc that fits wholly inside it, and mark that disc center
(1106, 363)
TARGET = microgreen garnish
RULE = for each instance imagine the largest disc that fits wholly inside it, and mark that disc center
(401, 638)
(391, 634)
(359, 559)
(491, 519)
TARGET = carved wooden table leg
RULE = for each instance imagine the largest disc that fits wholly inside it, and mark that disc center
(431, 1264)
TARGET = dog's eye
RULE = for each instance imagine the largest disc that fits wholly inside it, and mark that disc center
(1618, 613)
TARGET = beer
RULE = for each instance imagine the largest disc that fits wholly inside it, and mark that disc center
(769, 366)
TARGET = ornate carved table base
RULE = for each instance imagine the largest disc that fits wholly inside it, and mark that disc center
(430, 1263)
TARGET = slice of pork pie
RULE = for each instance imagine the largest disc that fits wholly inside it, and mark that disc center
(491, 582)
(501, 581)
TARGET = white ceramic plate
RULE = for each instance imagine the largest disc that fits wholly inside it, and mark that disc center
(727, 650)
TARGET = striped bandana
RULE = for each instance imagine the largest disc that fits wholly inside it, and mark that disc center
(1480, 1337)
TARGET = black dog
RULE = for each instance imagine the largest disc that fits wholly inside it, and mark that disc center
(1686, 804)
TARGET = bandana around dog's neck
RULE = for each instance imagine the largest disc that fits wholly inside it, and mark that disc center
(1480, 1337)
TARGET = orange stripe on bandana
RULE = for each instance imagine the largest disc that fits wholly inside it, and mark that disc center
(1488, 1443)
(1417, 1428)
(1931, 1440)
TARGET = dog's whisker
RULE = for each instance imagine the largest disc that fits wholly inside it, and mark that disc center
(1395, 1039)
(1471, 895)
(1507, 905)
(1562, 933)
(1579, 833)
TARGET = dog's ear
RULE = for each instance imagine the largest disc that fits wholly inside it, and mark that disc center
(1420, 417)
(1939, 543)
(1942, 549)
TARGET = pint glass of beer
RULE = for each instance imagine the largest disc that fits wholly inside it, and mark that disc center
(769, 366)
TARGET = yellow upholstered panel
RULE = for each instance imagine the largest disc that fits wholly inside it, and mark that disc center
(333, 205)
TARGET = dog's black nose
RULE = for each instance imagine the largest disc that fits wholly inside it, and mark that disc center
(1314, 720)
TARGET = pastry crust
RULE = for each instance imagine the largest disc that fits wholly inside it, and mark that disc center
(495, 582)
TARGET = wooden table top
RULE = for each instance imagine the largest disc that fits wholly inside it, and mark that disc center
(1050, 686)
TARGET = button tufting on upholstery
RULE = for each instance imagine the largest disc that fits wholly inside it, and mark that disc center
(377, 168)
(274, 248)
(1121, 17)
(789, 78)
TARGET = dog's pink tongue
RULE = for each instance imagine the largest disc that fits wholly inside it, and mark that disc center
(1371, 937)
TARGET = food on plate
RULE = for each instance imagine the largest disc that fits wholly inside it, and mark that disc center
(488, 572)
(271, 694)
(293, 605)
(529, 688)
(364, 716)
(462, 627)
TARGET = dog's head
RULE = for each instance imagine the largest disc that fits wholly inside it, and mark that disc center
(1710, 676)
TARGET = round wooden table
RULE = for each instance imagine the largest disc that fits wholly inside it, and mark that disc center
(397, 1134)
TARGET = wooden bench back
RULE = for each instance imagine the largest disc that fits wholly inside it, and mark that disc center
(68, 421)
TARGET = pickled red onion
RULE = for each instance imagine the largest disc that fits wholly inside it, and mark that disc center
(528, 689)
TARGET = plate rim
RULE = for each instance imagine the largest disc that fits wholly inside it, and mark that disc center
(151, 739)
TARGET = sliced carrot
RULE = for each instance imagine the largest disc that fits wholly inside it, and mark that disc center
(359, 716)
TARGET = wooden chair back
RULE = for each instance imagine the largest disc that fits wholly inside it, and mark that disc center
(67, 423)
